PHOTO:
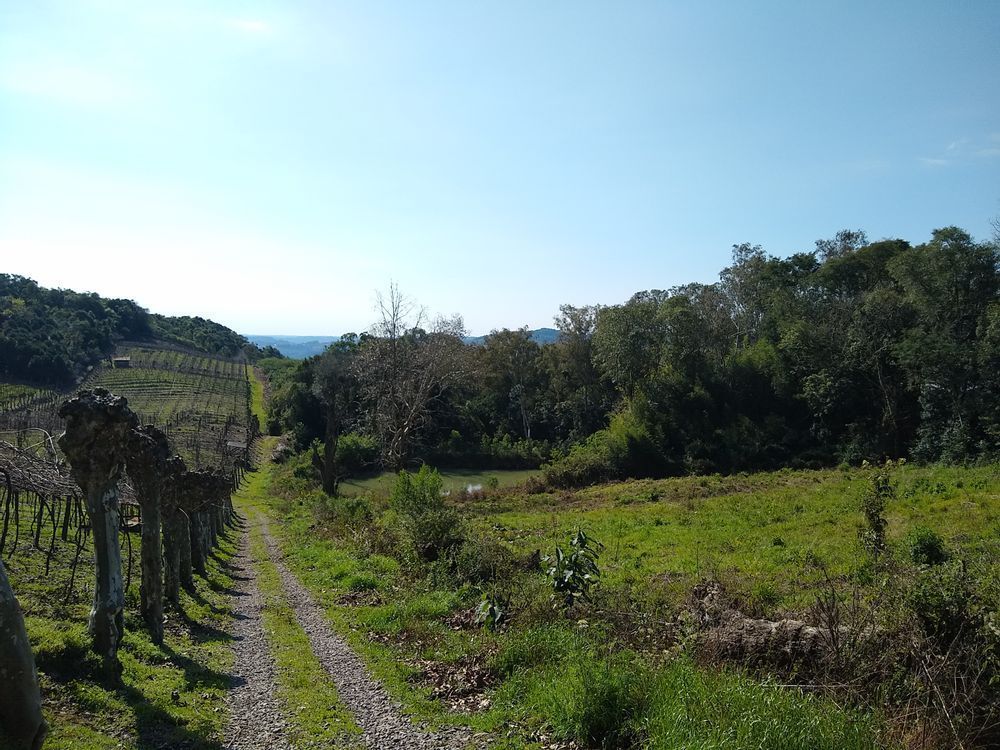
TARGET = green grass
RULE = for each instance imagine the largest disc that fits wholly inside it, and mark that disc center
(580, 694)
(316, 718)
(455, 480)
(772, 529)
(257, 407)
(83, 710)
(764, 535)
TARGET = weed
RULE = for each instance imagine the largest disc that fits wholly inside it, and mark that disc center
(572, 575)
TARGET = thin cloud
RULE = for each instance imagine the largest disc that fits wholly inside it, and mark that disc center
(988, 152)
(929, 162)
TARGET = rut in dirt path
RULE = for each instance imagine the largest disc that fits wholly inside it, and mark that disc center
(381, 720)
(255, 718)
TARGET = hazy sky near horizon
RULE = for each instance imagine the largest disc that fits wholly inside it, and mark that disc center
(271, 165)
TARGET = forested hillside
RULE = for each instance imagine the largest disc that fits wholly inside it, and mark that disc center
(854, 350)
(52, 336)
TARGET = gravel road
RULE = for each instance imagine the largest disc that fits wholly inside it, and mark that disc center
(379, 716)
(255, 718)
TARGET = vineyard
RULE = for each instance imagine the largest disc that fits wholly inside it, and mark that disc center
(202, 403)
(77, 533)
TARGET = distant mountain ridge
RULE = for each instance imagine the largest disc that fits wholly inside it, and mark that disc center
(295, 347)
(302, 347)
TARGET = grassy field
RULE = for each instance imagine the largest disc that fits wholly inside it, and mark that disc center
(768, 535)
(455, 480)
(772, 539)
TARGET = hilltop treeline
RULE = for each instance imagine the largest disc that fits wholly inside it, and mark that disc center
(854, 350)
(52, 336)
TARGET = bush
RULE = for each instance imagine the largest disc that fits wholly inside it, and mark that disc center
(926, 547)
(432, 528)
(594, 460)
(880, 491)
(941, 599)
(348, 512)
(624, 449)
(484, 560)
(356, 454)
(493, 611)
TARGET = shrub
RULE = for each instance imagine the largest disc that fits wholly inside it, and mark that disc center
(356, 453)
(941, 599)
(432, 528)
(484, 560)
(348, 512)
(594, 460)
(926, 547)
(493, 611)
(624, 449)
(573, 574)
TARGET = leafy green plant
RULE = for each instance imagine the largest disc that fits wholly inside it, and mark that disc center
(574, 573)
(880, 491)
(493, 611)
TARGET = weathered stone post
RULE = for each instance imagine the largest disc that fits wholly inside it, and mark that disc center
(97, 428)
(21, 722)
(148, 452)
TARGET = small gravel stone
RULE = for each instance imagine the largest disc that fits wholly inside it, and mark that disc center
(255, 718)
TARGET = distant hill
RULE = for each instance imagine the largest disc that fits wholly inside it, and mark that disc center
(53, 337)
(301, 347)
(295, 347)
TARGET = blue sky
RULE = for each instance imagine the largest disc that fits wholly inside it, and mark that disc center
(272, 165)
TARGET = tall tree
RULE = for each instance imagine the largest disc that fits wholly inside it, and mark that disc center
(403, 369)
(335, 385)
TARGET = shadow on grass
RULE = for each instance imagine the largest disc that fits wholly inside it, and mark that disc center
(202, 632)
(198, 675)
(156, 728)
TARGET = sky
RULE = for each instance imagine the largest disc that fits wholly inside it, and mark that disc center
(272, 165)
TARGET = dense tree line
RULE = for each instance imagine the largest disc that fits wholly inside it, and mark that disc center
(52, 336)
(854, 350)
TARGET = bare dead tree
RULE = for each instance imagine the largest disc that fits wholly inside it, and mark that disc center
(403, 369)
